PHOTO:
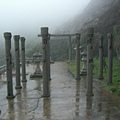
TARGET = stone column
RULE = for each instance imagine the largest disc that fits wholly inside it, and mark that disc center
(90, 33)
(77, 56)
(7, 37)
(49, 56)
(23, 59)
(17, 62)
(70, 49)
(101, 58)
(110, 57)
(46, 80)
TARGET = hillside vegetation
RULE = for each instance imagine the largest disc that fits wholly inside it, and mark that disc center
(104, 16)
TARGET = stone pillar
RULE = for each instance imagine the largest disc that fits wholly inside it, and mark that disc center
(110, 57)
(101, 58)
(70, 49)
(17, 62)
(90, 33)
(23, 59)
(7, 37)
(77, 56)
(49, 56)
(46, 80)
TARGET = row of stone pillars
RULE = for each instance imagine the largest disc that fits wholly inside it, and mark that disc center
(46, 61)
(7, 37)
(110, 57)
(90, 34)
(46, 78)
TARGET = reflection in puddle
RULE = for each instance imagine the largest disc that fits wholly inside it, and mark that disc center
(89, 106)
(11, 109)
(47, 108)
(89, 102)
(19, 103)
(77, 98)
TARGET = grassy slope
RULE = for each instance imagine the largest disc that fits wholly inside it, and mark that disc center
(115, 87)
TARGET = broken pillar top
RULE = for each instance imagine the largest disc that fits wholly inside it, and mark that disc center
(7, 35)
(44, 31)
(16, 37)
(78, 35)
(110, 39)
(101, 41)
(22, 38)
(109, 35)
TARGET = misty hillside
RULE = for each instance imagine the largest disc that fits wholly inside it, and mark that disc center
(102, 14)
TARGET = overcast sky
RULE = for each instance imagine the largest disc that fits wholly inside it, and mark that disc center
(19, 16)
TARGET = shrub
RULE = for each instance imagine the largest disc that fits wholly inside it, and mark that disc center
(113, 89)
(118, 92)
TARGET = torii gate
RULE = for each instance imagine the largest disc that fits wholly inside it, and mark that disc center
(46, 56)
(70, 44)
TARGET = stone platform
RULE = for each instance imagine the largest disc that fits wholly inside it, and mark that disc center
(68, 99)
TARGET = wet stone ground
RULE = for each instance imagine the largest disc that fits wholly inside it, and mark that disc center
(68, 99)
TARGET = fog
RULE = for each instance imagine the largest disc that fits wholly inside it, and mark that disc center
(27, 16)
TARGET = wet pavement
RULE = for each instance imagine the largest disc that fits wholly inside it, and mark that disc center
(68, 99)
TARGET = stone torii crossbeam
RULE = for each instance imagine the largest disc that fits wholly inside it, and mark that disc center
(70, 44)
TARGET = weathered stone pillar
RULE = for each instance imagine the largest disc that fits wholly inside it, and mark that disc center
(90, 33)
(23, 59)
(110, 57)
(46, 80)
(7, 37)
(78, 56)
(49, 56)
(17, 62)
(70, 49)
(101, 58)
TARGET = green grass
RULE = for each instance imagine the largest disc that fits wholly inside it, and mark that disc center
(115, 86)
(72, 67)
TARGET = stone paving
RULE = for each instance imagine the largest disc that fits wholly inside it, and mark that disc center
(68, 99)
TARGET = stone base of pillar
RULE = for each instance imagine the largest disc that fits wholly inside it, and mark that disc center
(10, 97)
(45, 96)
(24, 80)
(78, 78)
(83, 72)
(18, 87)
(36, 75)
